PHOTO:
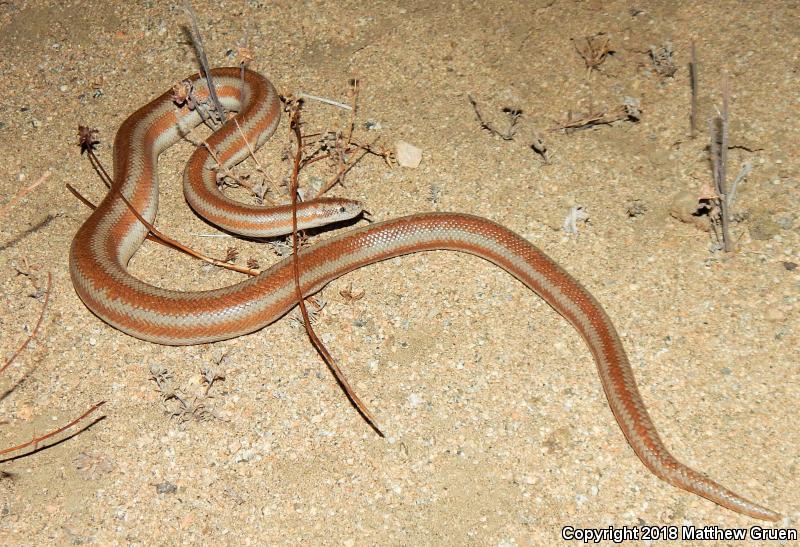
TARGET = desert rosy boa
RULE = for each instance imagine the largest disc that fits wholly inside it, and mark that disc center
(112, 234)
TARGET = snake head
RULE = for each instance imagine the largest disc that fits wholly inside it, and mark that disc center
(324, 211)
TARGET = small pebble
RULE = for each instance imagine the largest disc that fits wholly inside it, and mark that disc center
(166, 488)
(408, 155)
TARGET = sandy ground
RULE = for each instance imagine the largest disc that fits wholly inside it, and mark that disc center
(498, 429)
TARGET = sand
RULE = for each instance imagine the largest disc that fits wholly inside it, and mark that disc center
(498, 431)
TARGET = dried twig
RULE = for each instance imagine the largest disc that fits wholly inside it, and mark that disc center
(246, 56)
(351, 296)
(35, 330)
(82, 199)
(325, 101)
(22, 193)
(663, 60)
(723, 161)
(693, 83)
(295, 128)
(37, 440)
(339, 151)
(355, 88)
(593, 50)
(13, 357)
(92, 206)
(334, 145)
(211, 375)
(345, 167)
(743, 172)
(719, 158)
(514, 115)
(629, 110)
(201, 56)
(259, 167)
(540, 147)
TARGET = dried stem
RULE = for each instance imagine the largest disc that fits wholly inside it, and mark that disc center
(593, 50)
(354, 90)
(344, 168)
(80, 197)
(35, 330)
(22, 193)
(627, 111)
(719, 157)
(514, 115)
(745, 170)
(201, 56)
(325, 101)
(721, 182)
(259, 167)
(37, 440)
(693, 83)
(323, 351)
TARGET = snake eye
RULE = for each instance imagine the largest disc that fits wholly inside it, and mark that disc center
(342, 209)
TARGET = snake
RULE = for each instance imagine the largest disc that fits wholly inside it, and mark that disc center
(109, 237)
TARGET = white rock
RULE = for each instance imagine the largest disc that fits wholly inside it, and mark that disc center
(408, 155)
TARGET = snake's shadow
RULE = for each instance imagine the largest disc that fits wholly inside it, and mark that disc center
(310, 232)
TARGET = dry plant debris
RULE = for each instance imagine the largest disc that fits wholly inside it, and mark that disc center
(720, 199)
(22, 193)
(629, 110)
(87, 141)
(693, 86)
(190, 401)
(39, 293)
(294, 126)
(663, 60)
(540, 147)
(514, 115)
(594, 50)
(219, 112)
(576, 214)
(350, 296)
(635, 208)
